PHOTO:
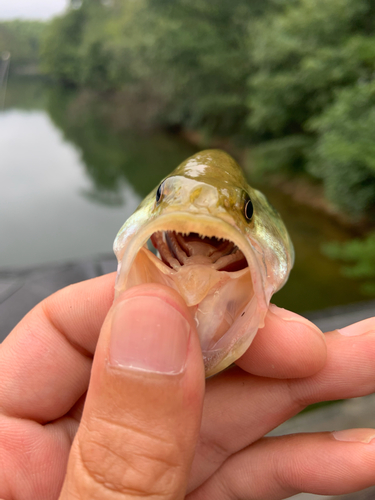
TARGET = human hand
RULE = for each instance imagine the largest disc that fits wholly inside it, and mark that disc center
(140, 429)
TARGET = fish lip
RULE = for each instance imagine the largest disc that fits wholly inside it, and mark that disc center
(203, 224)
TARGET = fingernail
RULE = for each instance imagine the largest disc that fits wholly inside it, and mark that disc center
(360, 328)
(149, 334)
(355, 435)
(286, 315)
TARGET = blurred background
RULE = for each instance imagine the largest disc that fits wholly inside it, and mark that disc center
(99, 99)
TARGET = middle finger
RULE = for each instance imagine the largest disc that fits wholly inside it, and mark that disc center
(240, 408)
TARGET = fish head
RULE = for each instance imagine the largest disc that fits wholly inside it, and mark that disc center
(206, 233)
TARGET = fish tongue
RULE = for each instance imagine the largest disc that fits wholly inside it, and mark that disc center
(195, 282)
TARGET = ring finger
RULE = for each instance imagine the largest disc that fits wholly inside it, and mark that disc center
(277, 468)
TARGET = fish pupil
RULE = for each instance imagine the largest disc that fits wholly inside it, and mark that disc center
(249, 210)
(159, 193)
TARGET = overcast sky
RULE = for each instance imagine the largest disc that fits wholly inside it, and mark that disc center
(31, 9)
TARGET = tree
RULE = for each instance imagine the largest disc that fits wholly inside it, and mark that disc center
(361, 254)
(60, 48)
(291, 77)
(344, 154)
(22, 40)
(311, 97)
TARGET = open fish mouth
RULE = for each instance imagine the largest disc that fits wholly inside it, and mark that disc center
(177, 249)
(217, 276)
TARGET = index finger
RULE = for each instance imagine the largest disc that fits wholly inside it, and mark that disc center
(45, 361)
(289, 346)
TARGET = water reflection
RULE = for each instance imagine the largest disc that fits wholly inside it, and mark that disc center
(44, 215)
(111, 150)
(67, 180)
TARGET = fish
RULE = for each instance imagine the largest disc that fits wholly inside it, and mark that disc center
(206, 233)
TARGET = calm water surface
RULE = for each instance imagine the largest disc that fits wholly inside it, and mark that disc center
(47, 213)
(72, 170)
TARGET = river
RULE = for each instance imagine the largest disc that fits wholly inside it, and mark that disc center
(72, 170)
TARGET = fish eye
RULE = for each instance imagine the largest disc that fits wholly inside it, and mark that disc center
(159, 192)
(249, 209)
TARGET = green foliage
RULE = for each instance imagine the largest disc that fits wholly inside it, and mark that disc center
(60, 49)
(301, 57)
(290, 78)
(192, 56)
(315, 62)
(284, 155)
(361, 253)
(344, 154)
(22, 40)
(201, 55)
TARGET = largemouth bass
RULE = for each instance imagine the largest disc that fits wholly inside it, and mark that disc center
(206, 233)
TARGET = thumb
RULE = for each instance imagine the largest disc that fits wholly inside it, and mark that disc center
(143, 409)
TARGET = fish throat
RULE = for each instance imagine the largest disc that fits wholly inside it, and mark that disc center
(179, 249)
(213, 277)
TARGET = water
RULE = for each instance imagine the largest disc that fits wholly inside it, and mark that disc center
(64, 198)
(72, 169)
